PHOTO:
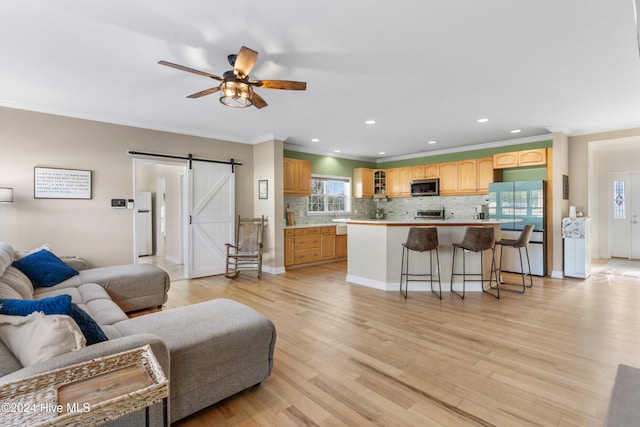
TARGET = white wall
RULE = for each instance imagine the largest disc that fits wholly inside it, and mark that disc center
(90, 228)
(268, 166)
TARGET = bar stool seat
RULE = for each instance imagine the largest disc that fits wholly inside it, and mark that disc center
(521, 242)
(421, 239)
(476, 239)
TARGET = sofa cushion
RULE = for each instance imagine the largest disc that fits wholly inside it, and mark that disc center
(7, 291)
(17, 280)
(44, 268)
(39, 337)
(6, 257)
(60, 304)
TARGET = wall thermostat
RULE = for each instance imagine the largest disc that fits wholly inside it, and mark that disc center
(118, 203)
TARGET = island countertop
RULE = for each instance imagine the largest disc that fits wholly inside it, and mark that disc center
(375, 250)
(425, 222)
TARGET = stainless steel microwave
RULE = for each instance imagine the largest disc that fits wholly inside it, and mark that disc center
(425, 187)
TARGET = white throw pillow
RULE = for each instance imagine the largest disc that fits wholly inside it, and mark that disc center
(18, 281)
(22, 254)
(39, 337)
(7, 292)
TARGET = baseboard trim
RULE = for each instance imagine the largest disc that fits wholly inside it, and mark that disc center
(272, 270)
(557, 274)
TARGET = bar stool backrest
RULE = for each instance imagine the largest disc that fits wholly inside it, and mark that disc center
(478, 239)
(525, 236)
(422, 239)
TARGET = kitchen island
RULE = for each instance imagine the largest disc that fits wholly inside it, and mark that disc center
(375, 252)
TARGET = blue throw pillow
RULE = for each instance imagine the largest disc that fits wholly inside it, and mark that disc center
(90, 329)
(44, 269)
(60, 304)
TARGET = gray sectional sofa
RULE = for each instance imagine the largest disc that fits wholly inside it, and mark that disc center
(209, 351)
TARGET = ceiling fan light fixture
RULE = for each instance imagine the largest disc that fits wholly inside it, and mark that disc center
(236, 94)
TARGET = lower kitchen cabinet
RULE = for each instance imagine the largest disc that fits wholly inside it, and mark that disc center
(309, 245)
(341, 246)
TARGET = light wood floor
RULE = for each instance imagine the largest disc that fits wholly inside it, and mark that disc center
(351, 355)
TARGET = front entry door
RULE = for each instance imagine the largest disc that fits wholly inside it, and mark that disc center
(624, 215)
(211, 210)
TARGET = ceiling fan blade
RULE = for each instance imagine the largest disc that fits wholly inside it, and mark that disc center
(258, 101)
(190, 70)
(205, 92)
(244, 61)
(280, 84)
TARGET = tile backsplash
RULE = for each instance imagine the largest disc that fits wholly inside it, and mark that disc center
(459, 207)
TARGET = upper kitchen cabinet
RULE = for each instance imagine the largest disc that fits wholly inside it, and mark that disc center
(486, 174)
(425, 171)
(449, 183)
(417, 172)
(475, 175)
(536, 157)
(399, 182)
(379, 182)
(432, 170)
(297, 177)
(362, 183)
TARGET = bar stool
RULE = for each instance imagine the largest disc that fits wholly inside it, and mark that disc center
(420, 239)
(521, 242)
(476, 239)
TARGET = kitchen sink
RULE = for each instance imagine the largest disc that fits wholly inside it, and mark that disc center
(341, 229)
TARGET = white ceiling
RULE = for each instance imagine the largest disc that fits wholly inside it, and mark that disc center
(423, 69)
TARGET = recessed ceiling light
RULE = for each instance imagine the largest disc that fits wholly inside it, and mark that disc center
(483, 120)
(431, 142)
(516, 131)
(382, 152)
(336, 151)
(370, 122)
(315, 140)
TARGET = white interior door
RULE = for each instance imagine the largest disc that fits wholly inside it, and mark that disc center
(211, 210)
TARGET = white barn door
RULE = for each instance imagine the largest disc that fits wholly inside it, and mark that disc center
(211, 210)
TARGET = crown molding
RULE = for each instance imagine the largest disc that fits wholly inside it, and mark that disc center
(495, 144)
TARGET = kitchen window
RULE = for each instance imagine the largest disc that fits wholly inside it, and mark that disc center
(329, 195)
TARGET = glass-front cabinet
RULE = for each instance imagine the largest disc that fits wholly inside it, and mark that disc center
(379, 182)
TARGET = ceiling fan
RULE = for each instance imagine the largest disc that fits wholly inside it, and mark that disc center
(236, 90)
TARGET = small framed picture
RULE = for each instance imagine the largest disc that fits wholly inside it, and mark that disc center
(263, 189)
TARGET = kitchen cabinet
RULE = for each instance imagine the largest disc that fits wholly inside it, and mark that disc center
(486, 174)
(418, 172)
(467, 176)
(362, 183)
(308, 245)
(475, 175)
(399, 182)
(297, 177)
(449, 179)
(432, 170)
(379, 182)
(464, 177)
(288, 247)
(341, 246)
(535, 157)
(425, 171)
(328, 243)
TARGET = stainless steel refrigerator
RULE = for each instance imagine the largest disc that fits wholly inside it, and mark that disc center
(523, 201)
